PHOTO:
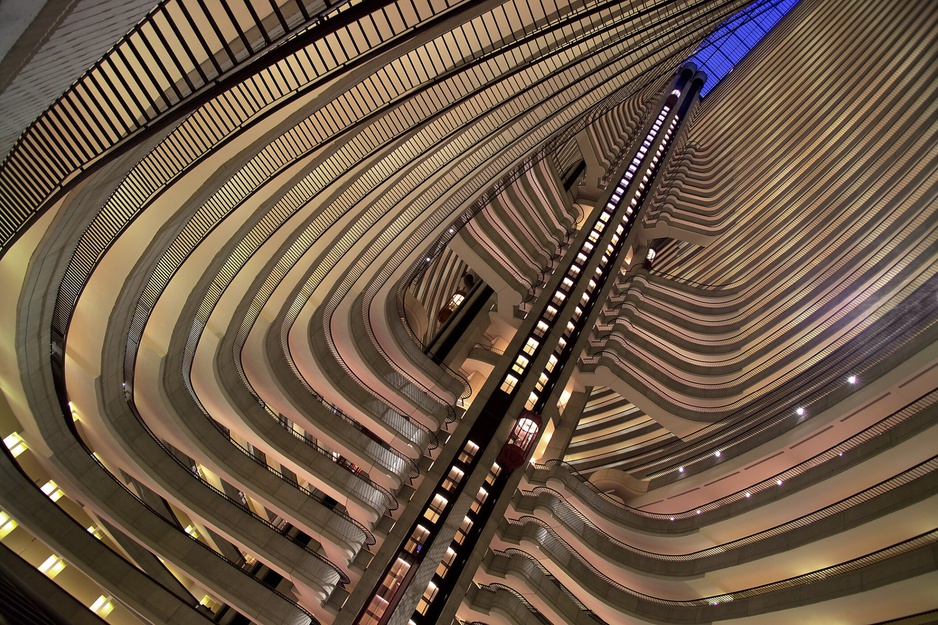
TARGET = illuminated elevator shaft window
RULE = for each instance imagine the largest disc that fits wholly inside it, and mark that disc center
(468, 452)
(436, 594)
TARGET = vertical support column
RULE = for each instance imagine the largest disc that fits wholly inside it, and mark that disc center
(566, 425)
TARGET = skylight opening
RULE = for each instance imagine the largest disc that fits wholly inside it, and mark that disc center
(732, 41)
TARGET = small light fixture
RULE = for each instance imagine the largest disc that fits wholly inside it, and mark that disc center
(799, 411)
(717, 453)
(748, 495)
(778, 482)
(698, 510)
(852, 379)
(680, 469)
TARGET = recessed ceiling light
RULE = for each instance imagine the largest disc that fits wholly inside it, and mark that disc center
(852, 379)
(717, 453)
(778, 482)
(799, 411)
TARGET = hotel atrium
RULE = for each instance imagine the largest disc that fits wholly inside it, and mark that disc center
(402, 312)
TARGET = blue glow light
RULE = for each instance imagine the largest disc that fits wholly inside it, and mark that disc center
(733, 40)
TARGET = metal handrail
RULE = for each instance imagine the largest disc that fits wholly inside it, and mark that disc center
(600, 501)
(414, 431)
(772, 411)
(367, 538)
(585, 570)
(593, 536)
(204, 482)
(142, 97)
(340, 581)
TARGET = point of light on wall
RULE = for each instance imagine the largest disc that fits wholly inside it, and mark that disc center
(15, 444)
(52, 566)
(853, 379)
(7, 524)
(52, 491)
(102, 606)
(799, 411)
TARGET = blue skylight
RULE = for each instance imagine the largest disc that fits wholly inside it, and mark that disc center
(733, 40)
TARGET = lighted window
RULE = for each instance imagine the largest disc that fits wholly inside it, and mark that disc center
(102, 606)
(15, 444)
(561, 343)
(550, 312)
(374, 611)
(530, 346)
(532, 399)
(541, 382)
(393, 579)
(463, 530)
(52, 490)
(52, 566)
(435, 509)
(574, 270)
(428, 596)
(468, 452)
(558, 298)
(417, 539)
(551, 363)
(7, 524)
(479, 500)
(453, 478)
(448, 558)
(494, 472)
(520, 364)
(541, 328)
(508, 385)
